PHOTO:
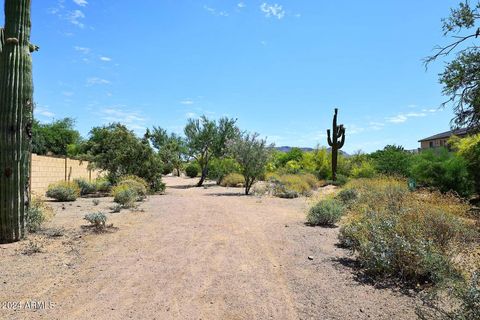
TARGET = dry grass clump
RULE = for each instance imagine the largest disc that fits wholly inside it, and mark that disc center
(233, 180)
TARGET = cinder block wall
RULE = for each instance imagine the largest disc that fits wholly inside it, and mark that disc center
(47, 170)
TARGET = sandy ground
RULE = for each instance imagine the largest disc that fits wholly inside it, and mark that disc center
(194, 253)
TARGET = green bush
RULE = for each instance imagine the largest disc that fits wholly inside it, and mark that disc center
(85, 186)
(392, 160)
(167, 168)
(410, 236)
(191, 171)
(98, 219)
(103, 185)
(443, 170)
(219, 168)
(469, 149)
(347, 196)
(63, 191)
(37, 213)
(233, 180)
(341, 181)
(124, 195)
(135, 183)
(365, 169)
(325, 213)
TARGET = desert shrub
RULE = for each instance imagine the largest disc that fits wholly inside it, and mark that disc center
(191, 171)
(347, 196)
(124, 195)
(392, 160)
(96, 202)
(137, 184)
(219, 168)
(341, 180)
(396, 233)
(364, 169)
(296, 183)
(443, 170)
(469, 149)
(103, 185)
(233, 180)
(116, 208)
(311, 180)
(167, 168)
(85, 186)
(37, 213)
(325, 213)
(97, 219)
(63, 191)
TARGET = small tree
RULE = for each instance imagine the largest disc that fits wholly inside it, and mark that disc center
(206, 139)
(252, 154)
(57, 137)
(119, 151)
(171, 148)
(392, 160)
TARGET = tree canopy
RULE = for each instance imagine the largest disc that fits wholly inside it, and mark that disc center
(460, 79)
(206, 139)
(58, 137)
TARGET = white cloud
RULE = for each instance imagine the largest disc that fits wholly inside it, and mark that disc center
(354, 129)
(132, 119)
(215, 12)
(397, 119)
(74, 18)
(241, 5)
(67, 93)
(187, 102)
(416, 114)
(43, 112)
(95, 80)
(106, 59)
(272, 10)
(375, 126)
(82, 50)
(81, 3)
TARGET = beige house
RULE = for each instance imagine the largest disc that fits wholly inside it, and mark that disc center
(441, 139)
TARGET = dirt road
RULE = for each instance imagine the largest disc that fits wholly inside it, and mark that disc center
(194, 253)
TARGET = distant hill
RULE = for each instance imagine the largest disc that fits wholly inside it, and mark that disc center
(307, 149)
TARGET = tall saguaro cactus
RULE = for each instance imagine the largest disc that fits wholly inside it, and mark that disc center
(335, 143)
(16, 116)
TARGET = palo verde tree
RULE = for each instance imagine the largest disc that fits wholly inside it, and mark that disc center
(206, 139)
(16, 116)
(171, 148)
(460, 79)
(252, 154)
(337, 133)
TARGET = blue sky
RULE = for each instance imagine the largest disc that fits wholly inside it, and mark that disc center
(280, 67)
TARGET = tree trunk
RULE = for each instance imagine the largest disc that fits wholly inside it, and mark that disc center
(16, 116)
(203, 177)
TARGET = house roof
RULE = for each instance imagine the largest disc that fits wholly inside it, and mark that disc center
(447, 134)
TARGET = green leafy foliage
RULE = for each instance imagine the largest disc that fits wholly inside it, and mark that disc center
(119, 152)
(469, 149)
(57, 137)
(192, 170)
(171, 149)
(63, 191)
(392, 160)
(325, 213)
(443, 170)
(206, 139)
(251, 153)
(233, 180)
(219, 168)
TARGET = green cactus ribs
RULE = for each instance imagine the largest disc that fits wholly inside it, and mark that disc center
(16, 116)
(336, 140)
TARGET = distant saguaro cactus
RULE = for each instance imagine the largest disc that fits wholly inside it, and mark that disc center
(16, 116)
(335, 143)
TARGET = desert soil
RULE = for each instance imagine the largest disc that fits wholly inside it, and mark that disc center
(193, 253)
